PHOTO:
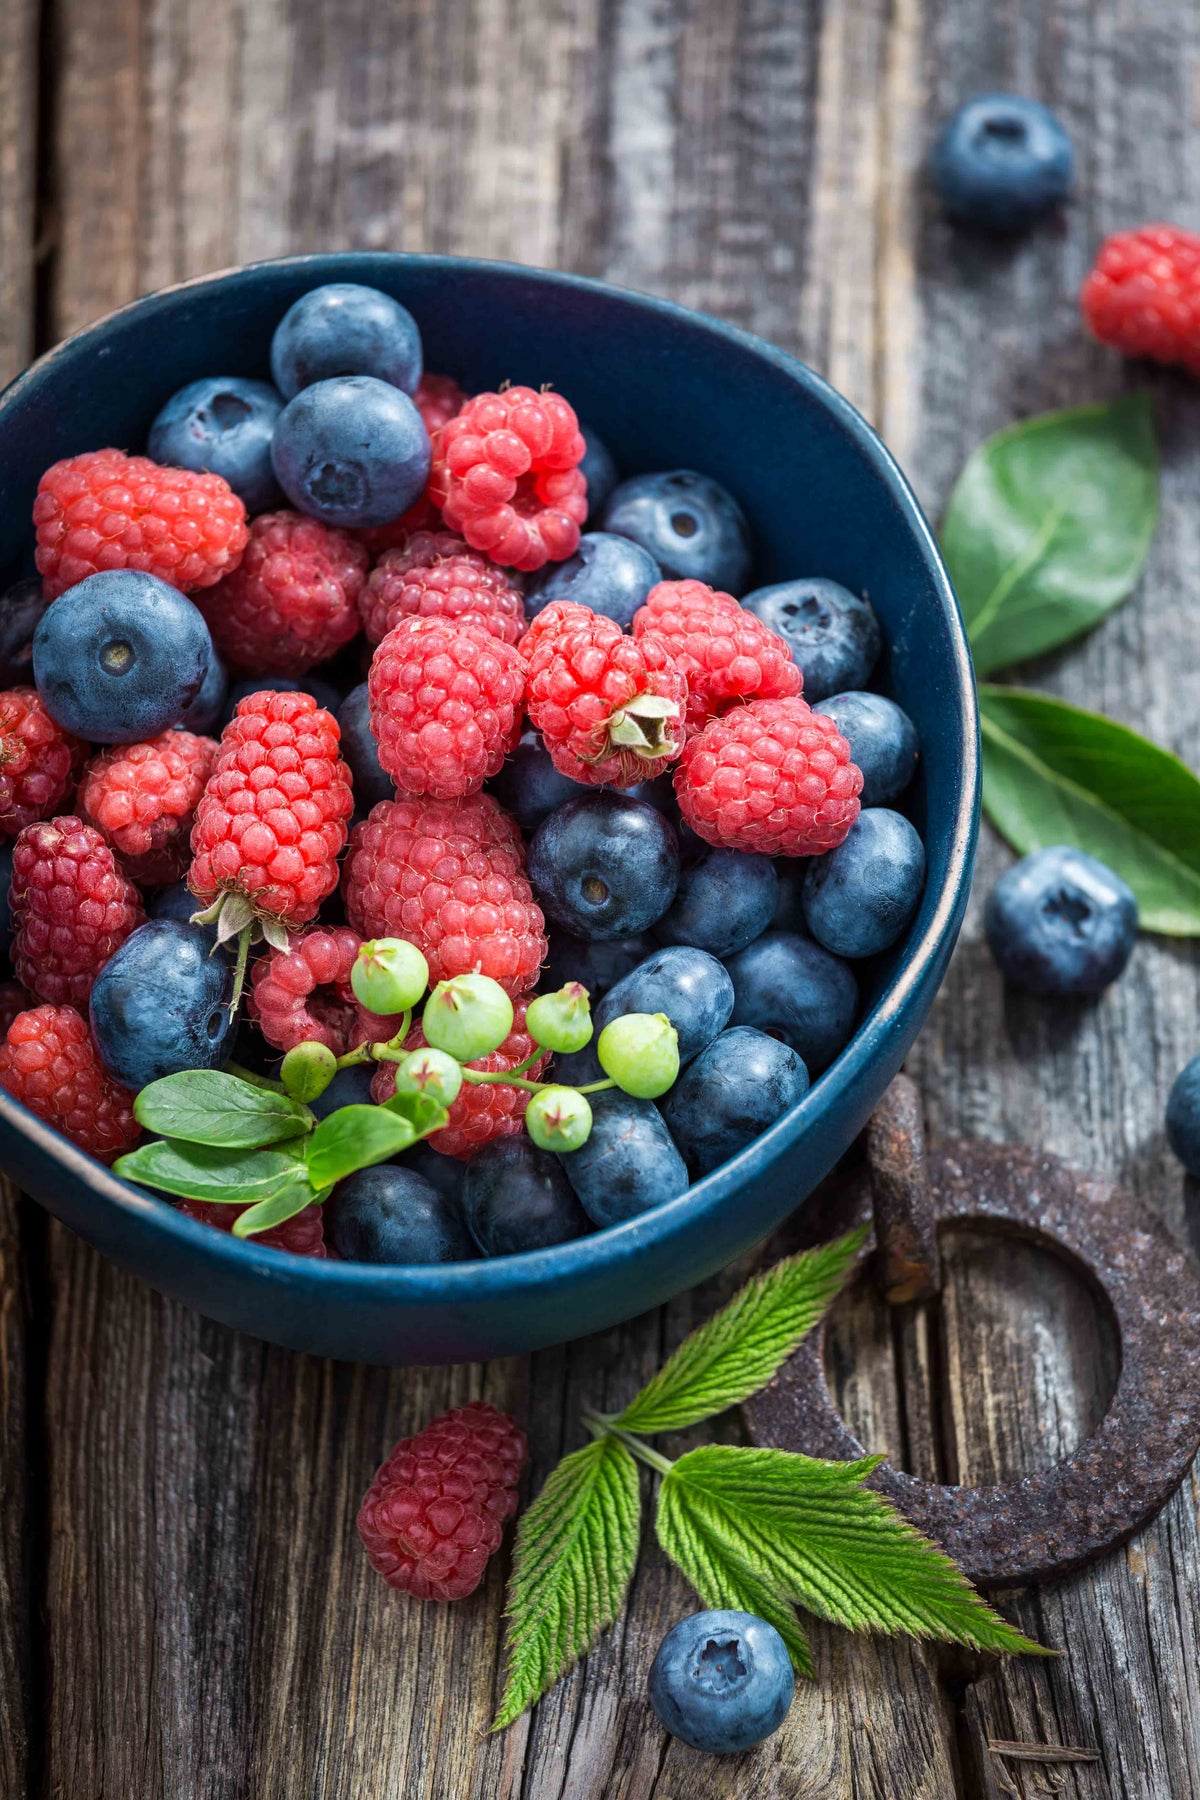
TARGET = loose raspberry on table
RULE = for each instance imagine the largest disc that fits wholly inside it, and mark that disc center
(506, 474)
(1142, 295)
(726, 653)
(480, 1113)
(772, 777)
(72, 907)
(304, 995)
(303, 1234)
(293, 599)
(38, 760)
(15, 998)
(436, 1509)
(143, 798)
(610, 708)
(436, 575)
(445, 704)
(450, 877)
(106, 510)
(49, 1062)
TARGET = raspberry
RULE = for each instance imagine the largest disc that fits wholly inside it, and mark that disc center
(479, 1113)
(438, 398)
(292, 601)
(143, 797)
(14, 998)
(550, 621)
(449, 877)
(773, 777)
(304, 995)
(272, 821)
(49, 1063)
(445, 703)
(303, 1234)
(37, 760)
(436, 1509)
(1142, 295)
(505, 473)
(610, 708)
(437, 576)
(106, 510)
(726, 653)
(71, 906)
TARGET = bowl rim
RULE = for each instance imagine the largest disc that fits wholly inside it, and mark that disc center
(489, 1277)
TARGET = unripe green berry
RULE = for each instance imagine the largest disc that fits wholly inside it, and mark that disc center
(559, 1118)
(430, 1072)
(389, 975)
(562, 1021)
(468, 1016)
(307, 1071)
(641, 1053)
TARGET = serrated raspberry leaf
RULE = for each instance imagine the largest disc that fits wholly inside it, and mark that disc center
(204, 1172)
(573, 1559)
(353, 1138)
(277, 1210)
(812, 1534)
(205, 1106)
(739, 1349)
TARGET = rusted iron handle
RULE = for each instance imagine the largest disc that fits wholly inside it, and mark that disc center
(910, 1265)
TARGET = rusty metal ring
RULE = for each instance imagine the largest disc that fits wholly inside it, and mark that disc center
(1116, 1481)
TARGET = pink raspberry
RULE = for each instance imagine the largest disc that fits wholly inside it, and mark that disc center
(304, 995)
(552, 620)
(71, 907)
(143, 798)
(303, 1234)
(480, 1113)
(438, 399)
(437, 576)
(505, 473)
(38, 760)
(1143, 295)
(610, 708)
(293, 599)
(49, 1063)
(445, 705)
(726, 653)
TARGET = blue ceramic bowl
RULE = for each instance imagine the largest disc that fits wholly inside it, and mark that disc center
(665, 388)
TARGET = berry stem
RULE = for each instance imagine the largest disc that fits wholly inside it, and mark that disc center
(601, 1425)
(597, 1087)
(258, 1081)
(239, 970)
(388, 1050)
(505, 1080)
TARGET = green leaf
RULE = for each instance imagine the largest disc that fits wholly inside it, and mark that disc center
(572, 1562)
(1048, 527)
(737, 1352)
(276, 1211)
(353, 1138)
(1053, 774)
(205, 1106)
(423, 1112)
(812, 1534)
(203, 1172)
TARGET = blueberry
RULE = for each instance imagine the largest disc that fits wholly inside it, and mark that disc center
(859, 898)
(789, 913)
(789, 987)
(1060, 922)
(658, 792)
(1183, 1117)
(361, 751)
(349, 1087)
(206, 709)
(690, 986)
(743, 1082)
(179, 903)
(321, 691)
(688, 523)
(610, 574)
(529, 786)
(445, 1172)
(599, 966)
(20, 609)
(834, 634)
(121, 657)
(516, 1197)
(724, 900)
(390, 1214)
(222, 423)
(628, 1164)
(161, 1004)
(882, 740)
(721, 1681)
(345, 329)
(6, 861)
(604, 866)
(599, 470)
(1002, 161)
(351, 452)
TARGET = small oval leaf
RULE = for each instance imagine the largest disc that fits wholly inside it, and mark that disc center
(353, 1138)
(204, 1172)
(206, 1106)
(276, 1211)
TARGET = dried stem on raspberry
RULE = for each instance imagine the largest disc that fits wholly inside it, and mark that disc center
(234, 917)
(644, 727)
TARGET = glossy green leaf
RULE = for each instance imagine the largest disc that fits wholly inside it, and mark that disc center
(278, 1209)
(423, 1112)
(1054, 774)
(353, 1138)
(1048, 527)
(204, 1172)
(206, 1106)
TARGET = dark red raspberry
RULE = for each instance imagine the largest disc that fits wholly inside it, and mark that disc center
(450, 877)
(303, 1234)
(71, 907)
(143, 798)
(480, 1113)
(15, 998)
(293, 599)
(773, 777)
(445, 701)
(436, 1509)
(438, 399)
(610, 708)
(505, 473)
(106, 510)
(1143, 295)
(726, 653)
(38, 760)
(49, 1063)
(304, 995)
(436, 575)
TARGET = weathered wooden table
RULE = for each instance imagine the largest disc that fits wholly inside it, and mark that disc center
(185, 1610)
